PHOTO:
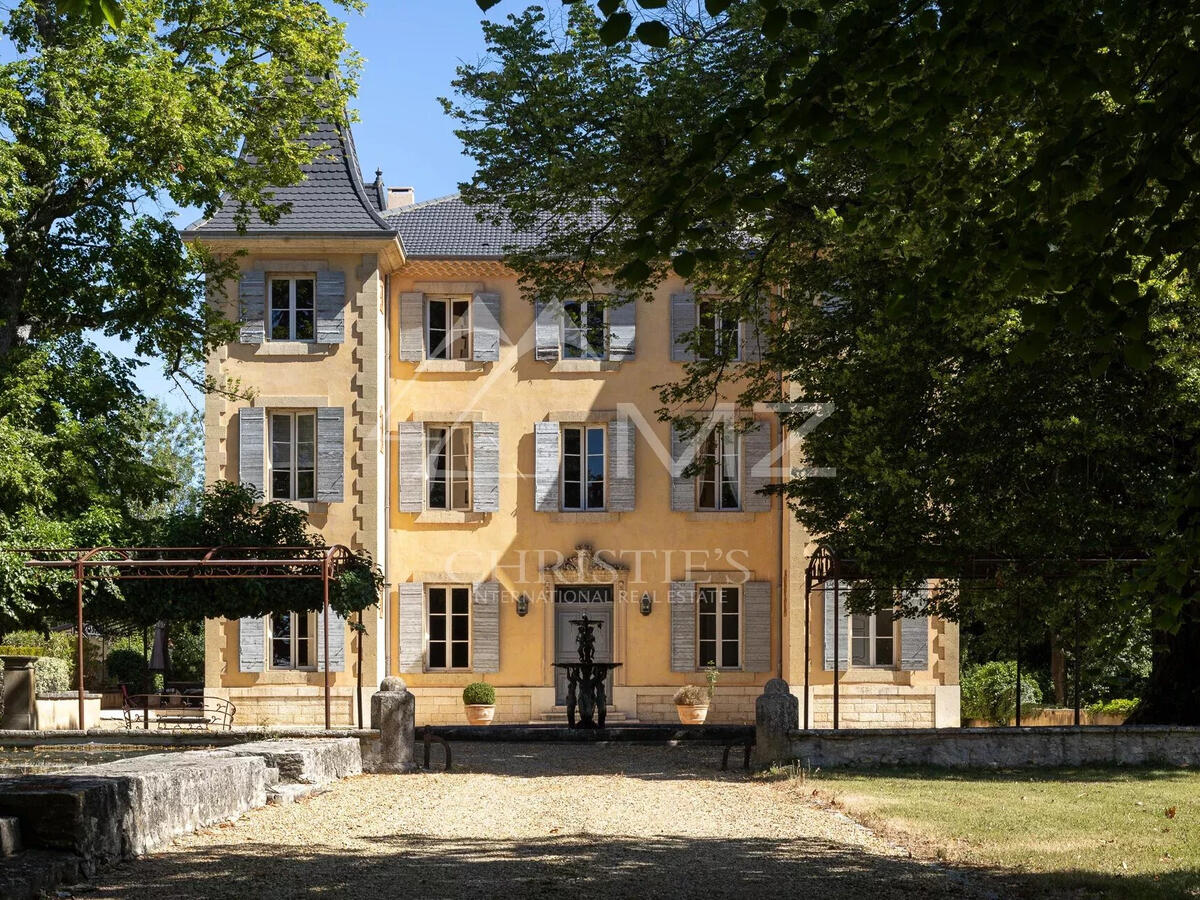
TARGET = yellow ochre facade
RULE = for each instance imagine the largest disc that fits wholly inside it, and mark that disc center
(504, 465)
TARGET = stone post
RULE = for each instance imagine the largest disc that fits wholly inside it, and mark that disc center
(776, 713)
(393, 713)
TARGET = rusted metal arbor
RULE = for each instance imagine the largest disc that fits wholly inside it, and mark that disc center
(191, 563)
(826, 565)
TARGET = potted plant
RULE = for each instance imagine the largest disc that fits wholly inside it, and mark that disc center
(480, 701)
(692, 700)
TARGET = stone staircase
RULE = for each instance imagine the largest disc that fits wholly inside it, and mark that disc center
(557, 715)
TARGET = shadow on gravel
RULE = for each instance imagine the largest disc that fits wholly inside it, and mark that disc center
(581, 866)
(652, 762)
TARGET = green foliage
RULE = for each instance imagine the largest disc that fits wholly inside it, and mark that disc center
(692, 695)
(20, 650)
(711, 674)
(187, 651)
(53, 676)
(128, 667)
(1123, 706)
(479, 693)
(989, 692)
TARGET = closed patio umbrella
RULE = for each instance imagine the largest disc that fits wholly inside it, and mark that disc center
(159, 656)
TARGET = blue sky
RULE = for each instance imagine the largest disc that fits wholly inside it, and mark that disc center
(410, 49)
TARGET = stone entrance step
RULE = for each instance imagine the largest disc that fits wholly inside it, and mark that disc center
(557, 715)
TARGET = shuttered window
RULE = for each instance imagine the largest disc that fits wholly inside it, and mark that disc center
(872, 640)
(292, 313)
(293, 641)
(718, 485)
(448, 328)
(583, 467)
(448, 462)
(293, 456)
(449, 626)
(718, 627)
(584, 330)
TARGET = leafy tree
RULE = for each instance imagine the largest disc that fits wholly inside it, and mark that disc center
(965, 227)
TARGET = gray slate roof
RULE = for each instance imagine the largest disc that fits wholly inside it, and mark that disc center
(331, 200)
(447, 227)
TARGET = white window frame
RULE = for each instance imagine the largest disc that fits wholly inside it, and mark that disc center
(449, 588)
(291, 281)
(718, 435)
(872, 638)
(710, 319)
(584, 430)
(585, 307)
(453, 329)
(450, 477)
(293, 415)
(294, 634)
(718, 590)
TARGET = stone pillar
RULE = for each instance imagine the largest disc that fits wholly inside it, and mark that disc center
(776, 714)
(17, 711)
(393, 713)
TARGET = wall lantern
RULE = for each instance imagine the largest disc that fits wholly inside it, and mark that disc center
(647, 602)
(522, 604)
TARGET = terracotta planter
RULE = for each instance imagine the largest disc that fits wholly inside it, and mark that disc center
(480, 713)
(692, 715)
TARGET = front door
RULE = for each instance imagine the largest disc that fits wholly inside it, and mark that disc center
(572, 601)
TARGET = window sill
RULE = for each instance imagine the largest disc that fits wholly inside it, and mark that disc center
(724, 515)
(448, 517)
(568, 366)
(306, 505)
(451, 366)
(566, 516)
(293, 348)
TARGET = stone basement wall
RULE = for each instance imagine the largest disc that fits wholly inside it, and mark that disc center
(444, 706)
(730, 705)
(985, 748)
(876, 706)
(300, 705)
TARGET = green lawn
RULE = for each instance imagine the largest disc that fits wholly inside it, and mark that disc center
(1105, 832)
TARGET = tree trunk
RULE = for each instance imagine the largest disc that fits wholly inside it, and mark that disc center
(1172, 696)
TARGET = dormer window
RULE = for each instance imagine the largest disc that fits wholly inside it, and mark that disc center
(292, 314)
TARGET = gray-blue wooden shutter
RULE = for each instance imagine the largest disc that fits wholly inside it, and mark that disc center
(485, 481)
(756, 467)
(331, 454)
(622, 446)
(914, 644)
(252, 644)
(622, 331)
(683, 489)
(545, 466)
(843, 626)
(337, 642)
(485, 312)
(411, 627)
(756, 626)
(681, 598)
(252, 313)
(752, 348)
(252, 428)
(683, 321)
(412, 327)
(485, 626)
(410, 441)
(331, 304)
(547, 328)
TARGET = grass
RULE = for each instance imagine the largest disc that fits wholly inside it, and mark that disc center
(1085, 832)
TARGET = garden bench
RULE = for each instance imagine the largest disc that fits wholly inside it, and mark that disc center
(175, 712)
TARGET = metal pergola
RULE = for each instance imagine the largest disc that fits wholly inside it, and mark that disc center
(191, 563)
(825, 564)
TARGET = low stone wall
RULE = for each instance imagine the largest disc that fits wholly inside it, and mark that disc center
(54, 712)
(444, 706)
(996, 747)
(732, 705)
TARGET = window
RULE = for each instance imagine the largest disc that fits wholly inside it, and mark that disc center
(585, 330)
(293, 309)
(717, 485)
(449, 627)
(293, 456)
(718, 336)
(448, 334)
(583, 467)
(872, 640)
(293, 642)
(720, 627)
(449, 466)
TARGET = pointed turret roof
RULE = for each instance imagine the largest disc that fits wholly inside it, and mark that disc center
(331, 199)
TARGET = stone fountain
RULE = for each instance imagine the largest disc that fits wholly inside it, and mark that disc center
(586, 679)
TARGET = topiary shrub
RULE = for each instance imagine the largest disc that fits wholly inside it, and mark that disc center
(52, 676)
(692, 695)
(989, 692)
(127, 667)
(479, 693)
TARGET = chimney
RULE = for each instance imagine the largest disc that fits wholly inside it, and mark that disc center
(400, 196)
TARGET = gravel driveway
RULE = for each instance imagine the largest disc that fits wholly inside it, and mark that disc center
(546, 820)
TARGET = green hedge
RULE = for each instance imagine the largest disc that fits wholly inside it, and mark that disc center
(479, 693)
(989, 692)
(53, 676)
(1117, 707)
